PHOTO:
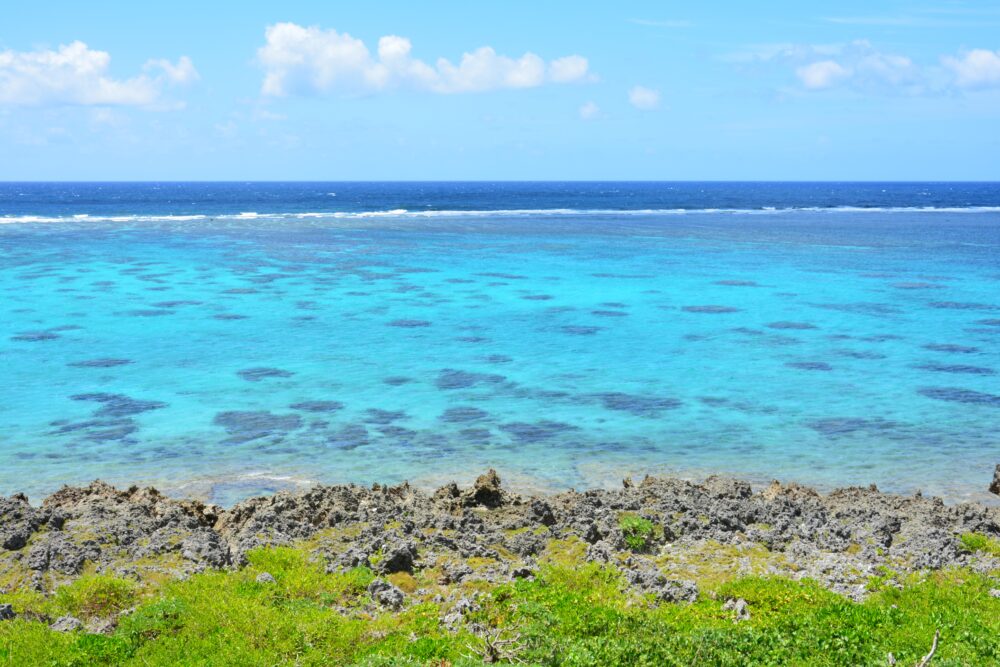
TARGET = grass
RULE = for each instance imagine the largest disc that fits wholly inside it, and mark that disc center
(979, 543)
(573, 613)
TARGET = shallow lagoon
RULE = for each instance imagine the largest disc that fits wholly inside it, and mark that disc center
(228, 356)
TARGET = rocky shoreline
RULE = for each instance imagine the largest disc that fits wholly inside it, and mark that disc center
(666, 535)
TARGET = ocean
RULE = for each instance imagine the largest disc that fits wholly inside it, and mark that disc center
(229, 339)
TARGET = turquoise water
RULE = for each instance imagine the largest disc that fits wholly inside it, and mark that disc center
(230, 355)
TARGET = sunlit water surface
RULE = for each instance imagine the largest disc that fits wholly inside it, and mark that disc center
(566, 341)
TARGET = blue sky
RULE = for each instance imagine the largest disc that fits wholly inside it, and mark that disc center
(514, 90)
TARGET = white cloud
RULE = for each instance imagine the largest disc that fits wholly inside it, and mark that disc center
(590, 111)
(822, 74)
(301, 60)
(182, 73)
(861, 67)
(978, 68)
(78, 75)
(644, 98)
(568, 69)
(858, 65)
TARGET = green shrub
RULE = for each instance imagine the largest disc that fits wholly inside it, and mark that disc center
(638, 531)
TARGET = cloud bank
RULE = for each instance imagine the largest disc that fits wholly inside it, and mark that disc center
(75, 74)
(301, 60)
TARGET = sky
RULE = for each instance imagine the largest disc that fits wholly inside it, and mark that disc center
(539, 90)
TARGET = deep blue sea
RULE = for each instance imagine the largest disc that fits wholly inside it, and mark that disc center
(228, 339)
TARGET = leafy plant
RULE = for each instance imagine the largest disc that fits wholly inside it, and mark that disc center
(638, 531)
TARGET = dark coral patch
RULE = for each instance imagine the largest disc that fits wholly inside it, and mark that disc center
(641, 406)
(505, 276)
(241, 290)
(148, 313)
(409, 324)
(475, 340)
(455, 379)
(880, 338)
(34, 336)
(317, 406)
(476, 434)
(952, 348)
(718, 310)
(862, 308)
(349, 437)
(225, 317)
(739, 406)
(393, 431)
(956, 368)
(989, 322)
(628, 276)
(837, 426)
(957, 395)
(497, 359)
(118, 405)
(917, 285)
(100, 363)
(810, 365)
(612, 304)
(377, 416)
(609, 313)
(396, 380)
(464, 414)
(99, 430)
(539, 431)
(577, 330)
(244, 426)
(174, 304)
(737, 283)
(859, 354)
(960, 305)
(538, 297)
(797, 326)
(262, 373)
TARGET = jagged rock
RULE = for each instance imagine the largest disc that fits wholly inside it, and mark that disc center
(454, 574)
(650, 580)
(600, 552)
(397, 557)
(995, 592)
(385, 594)
(205, 546)
(18, 520)
(838, 538)
(541, 512)
(526, 544)
(265, 578)
(995, 484)
(740, 609)
(66, 624)
(102, 626)
(7, 612)
(487, 490)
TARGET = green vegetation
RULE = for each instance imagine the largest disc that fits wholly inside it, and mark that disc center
(638, 531)
(977, 542)
(572, 613)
